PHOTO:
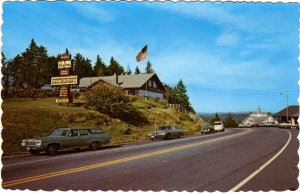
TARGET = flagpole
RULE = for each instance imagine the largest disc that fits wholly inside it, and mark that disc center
(143, 54)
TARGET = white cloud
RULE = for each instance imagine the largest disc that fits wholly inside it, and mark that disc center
(228, 39)
(229, 17)
(198, 66)
(97, 13)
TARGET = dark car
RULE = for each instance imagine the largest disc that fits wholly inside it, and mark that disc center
(166, 132)
(65, 138)
(207, 128)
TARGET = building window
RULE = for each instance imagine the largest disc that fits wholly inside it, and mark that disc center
(154, 84)
(151, 94)
(149, 83)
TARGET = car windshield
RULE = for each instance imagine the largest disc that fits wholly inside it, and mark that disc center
(162, 128)
(59, 132)
(218, 123)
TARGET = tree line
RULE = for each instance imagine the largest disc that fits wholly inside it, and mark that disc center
(229, 121)
(34, 68)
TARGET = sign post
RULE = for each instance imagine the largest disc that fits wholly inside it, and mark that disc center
(64, 80)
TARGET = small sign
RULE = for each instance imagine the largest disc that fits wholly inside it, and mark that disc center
(62, 100)
(64, 71)
(64, 80)
(64, 57)
(64, 64)
(64, 91)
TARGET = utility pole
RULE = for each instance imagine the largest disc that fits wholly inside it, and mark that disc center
(287, 105)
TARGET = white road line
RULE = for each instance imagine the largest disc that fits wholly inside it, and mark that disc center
(238, 186)
(103, 151)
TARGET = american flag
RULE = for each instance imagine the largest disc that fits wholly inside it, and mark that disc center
(142, 54)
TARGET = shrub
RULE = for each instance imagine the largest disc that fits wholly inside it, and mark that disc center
(111, 100)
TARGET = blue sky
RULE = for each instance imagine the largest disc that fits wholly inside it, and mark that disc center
(231, 56)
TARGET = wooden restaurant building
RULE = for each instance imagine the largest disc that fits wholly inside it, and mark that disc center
(148, 85)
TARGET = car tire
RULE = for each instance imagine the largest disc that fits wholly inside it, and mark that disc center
(52, 149)
(94, 145)
(34, 152)
(168, 136)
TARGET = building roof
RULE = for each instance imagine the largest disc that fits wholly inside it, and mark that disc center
(292, 110)
(255, 120)
(125, 81)
(89, 81)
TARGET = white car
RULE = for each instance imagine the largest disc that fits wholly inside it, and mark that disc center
(219, 126)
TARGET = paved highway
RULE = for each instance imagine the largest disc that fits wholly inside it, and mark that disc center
(237, 159)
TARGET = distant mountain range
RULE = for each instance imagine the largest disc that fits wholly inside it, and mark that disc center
(237, 116)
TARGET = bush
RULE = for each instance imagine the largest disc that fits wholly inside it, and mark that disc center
(111, 100)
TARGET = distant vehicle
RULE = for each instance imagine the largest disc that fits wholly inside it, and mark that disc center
(288, 125)
(207, 128)
(166, 132)
(48, 87)
(219, 126)
(241, 125)
(64, 138)
(74, 89)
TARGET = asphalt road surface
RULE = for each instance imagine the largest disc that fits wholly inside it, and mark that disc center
(235, 160)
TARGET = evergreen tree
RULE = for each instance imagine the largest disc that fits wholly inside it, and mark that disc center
(82, 66)
(52, 67)
(217, 118)
(183, 98)
(148, 68)
(128, 71)
(229, 121)
(30, 69)
(114, 67)
(100, 68)
(5, 72)
(137, 70)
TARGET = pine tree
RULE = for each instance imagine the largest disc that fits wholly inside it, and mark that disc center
(229, 121)
(34, 67)
(182, 96)
(137, 70)
(114, 67)
(217, 118)
(100, 68)
(5, 72)
(148, 68)
(83, 66)
(128, 71)
(214, 119)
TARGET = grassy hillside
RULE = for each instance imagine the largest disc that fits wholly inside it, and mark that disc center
(26, 118)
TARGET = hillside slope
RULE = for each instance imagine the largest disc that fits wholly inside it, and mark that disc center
(26, 118)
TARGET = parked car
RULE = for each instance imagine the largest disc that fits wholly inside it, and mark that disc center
(219, 126)
(241, 125)
(166, 132)
(64, 138)
(207, 128)
(288, 126)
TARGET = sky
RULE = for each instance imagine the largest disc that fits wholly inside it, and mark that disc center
(232, 57)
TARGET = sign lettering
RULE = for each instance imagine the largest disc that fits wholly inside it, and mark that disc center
(64, 57)
(64, 80)
(62, 100)
(64, 91)
(64, 71)
(64, 64)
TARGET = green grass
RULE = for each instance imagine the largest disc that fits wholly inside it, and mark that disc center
(27, 118)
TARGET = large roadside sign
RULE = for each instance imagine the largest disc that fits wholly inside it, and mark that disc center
(64, 80)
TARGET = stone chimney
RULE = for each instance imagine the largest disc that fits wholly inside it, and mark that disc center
(116, 78)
